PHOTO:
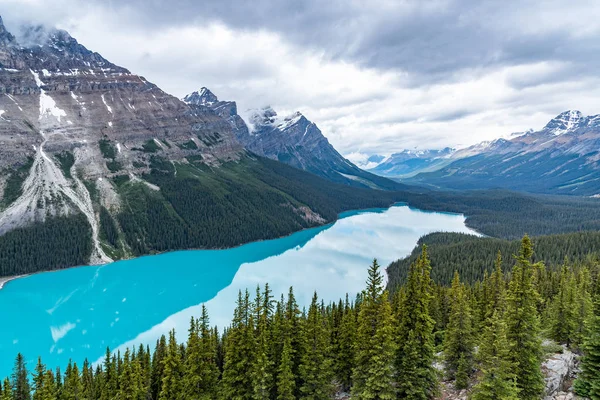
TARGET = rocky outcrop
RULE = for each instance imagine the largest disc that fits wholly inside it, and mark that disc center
(559, 372)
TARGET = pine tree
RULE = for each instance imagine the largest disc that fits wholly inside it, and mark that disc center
(48, 390)
(20, 381)
(587, 383)
(129, 379)
(38, 379)
(87, 380)
(583, 306)
(523, 327)
(497, 380)
(294, 326)
(415, 374)
(72, 387)
(6, 390)
(562, 319)
(315, 366)
(347, 339)
(110, 384)
(458, 343)
(373, 374)
(173, 373)
(285, 379)
(192, 378)
(158, 367)
(261, 365)
(236, 383)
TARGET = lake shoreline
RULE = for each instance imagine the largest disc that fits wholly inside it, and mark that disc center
(342, 215)
(5, 279)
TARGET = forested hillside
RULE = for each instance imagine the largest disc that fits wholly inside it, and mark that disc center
(193, 206)
(189, 206)
(372, 347)
(510, 215)
(474, 257)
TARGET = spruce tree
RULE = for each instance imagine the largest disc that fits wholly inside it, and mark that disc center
(158, 367)
(237, 383)
(347, 339)
(315, 366)
(38, 379)
(173, 372)
(285, 378)
(261, 366)
(458, 343)
(129, 379)
(583, 306)
(373, 374)
(6, 390)
(110, 384)
(415, 374)
(192, 377)
(20, 381)
(587, 383)
(87, 380)
(562, 317)
(497, 380)
(523, 328)
(49, 390)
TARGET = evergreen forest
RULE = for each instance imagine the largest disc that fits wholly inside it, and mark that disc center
(486, 337)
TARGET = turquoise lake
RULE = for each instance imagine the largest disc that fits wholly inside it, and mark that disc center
(76, 313)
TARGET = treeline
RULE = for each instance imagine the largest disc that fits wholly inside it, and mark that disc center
(510, 215)
(57, 243)
(473, 257)
(374, 347)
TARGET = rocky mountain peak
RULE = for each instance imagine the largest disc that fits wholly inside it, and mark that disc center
(565, 122)
(203, 97)
(6, 37)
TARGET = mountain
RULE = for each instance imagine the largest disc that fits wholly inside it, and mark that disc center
(561, 158)
(97, 163)
(409, 162)
(293, 140)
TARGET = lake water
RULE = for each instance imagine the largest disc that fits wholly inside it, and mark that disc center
(76, 313)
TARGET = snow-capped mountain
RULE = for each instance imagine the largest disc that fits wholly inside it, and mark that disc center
(563, 157)
(291, 139)
(409, 162)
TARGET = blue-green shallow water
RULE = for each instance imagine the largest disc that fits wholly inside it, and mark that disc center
(76, 313)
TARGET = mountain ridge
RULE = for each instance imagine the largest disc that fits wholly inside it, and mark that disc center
(561, 158)
(292, 139)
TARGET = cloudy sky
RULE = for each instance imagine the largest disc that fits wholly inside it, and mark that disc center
(376, 76)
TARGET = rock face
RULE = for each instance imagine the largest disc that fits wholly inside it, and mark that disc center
(561, 158)
(61, 101)
(293, 140)
(559, 371)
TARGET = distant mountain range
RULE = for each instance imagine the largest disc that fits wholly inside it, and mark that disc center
(409, 162)
(561, 158)
(292, 139)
